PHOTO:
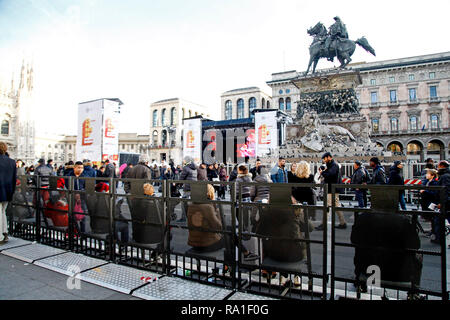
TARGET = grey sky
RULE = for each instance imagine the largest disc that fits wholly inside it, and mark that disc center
(143, 51)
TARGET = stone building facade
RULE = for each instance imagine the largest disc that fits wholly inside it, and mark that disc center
(16, 120)
(166, 127)
(405, 101)
(238, 103)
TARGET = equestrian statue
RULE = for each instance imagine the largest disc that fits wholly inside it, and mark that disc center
(333, 43)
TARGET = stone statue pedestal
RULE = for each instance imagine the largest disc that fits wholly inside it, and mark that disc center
(328, 119)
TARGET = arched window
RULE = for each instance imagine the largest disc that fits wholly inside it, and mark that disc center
(395, 148)
(251, 106)
(268, 104)
(163, 117)
(288, 104)
(414, 148)
(434, 121)
(5, 127)
(263, 103)
(190, 113)
(240, 109)
(394, 124)
(435, 147)
(155, 118)
(413, 123)
(228, 110)
(281, 104)
(155, 138)
(172, 116)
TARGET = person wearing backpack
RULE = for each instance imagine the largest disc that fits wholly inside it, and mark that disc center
(360, 176)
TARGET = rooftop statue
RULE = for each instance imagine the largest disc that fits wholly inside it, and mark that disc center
(333, 43)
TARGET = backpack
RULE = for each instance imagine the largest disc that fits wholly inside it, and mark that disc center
(366, 176)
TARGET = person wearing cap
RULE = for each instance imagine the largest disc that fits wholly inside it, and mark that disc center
(43, 171)
(88, 170)
(378, 175)
(360, 176)
(332, 175)
(444, 181)
(396, 179)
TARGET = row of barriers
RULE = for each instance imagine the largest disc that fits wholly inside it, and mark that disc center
(273, 248)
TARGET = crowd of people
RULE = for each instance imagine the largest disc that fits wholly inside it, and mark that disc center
(329, 173)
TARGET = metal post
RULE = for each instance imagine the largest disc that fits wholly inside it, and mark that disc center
(441, 222)
(70, 213)
(324, 240)
(166, 247)
(112, 207)
(333, 221)
(234, 267)
(38, 210)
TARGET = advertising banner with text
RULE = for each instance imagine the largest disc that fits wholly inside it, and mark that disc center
(266, 133)
(89, 128)
(192, 139)
(110, 130)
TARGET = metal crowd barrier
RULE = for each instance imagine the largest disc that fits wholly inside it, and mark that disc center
(115, 220)
(388, 247)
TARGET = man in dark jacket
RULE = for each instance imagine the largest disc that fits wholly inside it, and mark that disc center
(332, 175)
(202, 173)
(88, 170)
(189, 173)
(360, 176)
(110, 170)
(444, 181)
(378, 176)
(396, 179)
(253, 170)
(8, 173)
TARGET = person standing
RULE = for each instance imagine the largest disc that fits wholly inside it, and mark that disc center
(332, 175)
(360, 176)
(20, 168)
(44, 172)
(202, 174)
(378, 175)
(428, 165)
(427, 197)
(109, 170)
(444, 181)
(278, 174)
(396, 179)
(253, 170)
(189, 173)
(88, 170)
(8, 174)
(222, 178)
(139, 171)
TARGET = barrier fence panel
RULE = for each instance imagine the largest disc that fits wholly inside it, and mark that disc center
(387, 254)
(238, 240)
(89, 216)
(289, 257)
(139, 224)
(201, 237)
(21, 211)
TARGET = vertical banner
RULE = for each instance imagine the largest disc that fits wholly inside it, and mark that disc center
(192, 139)
(89, 139)
(266, 133)
(110, 132)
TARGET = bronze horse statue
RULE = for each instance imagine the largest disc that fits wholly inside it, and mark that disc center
(344, 49)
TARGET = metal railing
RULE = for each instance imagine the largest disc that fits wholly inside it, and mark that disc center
(160, 232)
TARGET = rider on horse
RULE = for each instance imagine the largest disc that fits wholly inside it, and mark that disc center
(337, 31)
